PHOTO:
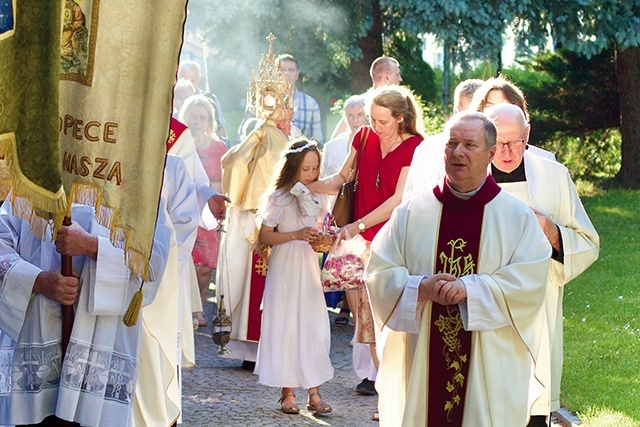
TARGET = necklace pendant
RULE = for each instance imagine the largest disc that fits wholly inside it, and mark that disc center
(378, 179)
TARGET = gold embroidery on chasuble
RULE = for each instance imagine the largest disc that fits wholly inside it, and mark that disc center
(450, 325)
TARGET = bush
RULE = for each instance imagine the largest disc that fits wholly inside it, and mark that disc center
(574, 109)
(591, 156)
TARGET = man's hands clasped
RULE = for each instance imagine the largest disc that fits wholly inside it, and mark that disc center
(442, 288)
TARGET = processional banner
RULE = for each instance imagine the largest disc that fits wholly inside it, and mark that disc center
(114, 68)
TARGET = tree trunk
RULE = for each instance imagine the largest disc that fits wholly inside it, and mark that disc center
(371, 46)
(446, 76)
(628, 73)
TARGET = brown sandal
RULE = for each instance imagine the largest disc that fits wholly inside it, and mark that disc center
(288, 407)
(320, 407)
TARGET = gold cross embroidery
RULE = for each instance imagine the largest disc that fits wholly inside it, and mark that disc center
(261, 266)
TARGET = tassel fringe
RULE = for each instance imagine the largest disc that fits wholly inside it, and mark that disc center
(132, 315)
(107, 217)
(30, 202)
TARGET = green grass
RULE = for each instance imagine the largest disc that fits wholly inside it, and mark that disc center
(601, 378)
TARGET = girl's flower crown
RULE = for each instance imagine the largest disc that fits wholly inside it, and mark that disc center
(311, 143)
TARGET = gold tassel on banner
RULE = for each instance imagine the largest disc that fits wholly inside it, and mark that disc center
(133, 312)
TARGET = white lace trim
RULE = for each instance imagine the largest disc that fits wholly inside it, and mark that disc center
(33, 368)
(100, 372)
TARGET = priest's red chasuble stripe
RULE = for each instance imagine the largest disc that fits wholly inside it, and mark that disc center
(449, 344)
(258, 279)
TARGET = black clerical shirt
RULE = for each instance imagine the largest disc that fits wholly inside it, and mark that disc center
(519, 175)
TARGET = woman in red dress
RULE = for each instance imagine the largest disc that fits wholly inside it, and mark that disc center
(197, 113)
(383, 165)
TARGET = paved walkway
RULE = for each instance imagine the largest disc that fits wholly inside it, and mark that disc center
(217, 392)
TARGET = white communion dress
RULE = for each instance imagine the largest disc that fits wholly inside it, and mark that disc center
(295, 339)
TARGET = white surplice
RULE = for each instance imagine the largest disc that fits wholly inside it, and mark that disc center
(427, 165)
(95, 382)
(551, 191)
(512, 265)
(334, 153)
(158, 398)
(191, 302)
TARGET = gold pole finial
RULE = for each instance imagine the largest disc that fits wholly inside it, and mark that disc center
(271, 38)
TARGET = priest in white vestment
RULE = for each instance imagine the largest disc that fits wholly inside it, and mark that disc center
(546, 187)
(212, 208)
(158, 395)
(456, 282)
(247, 170)
(95, 382)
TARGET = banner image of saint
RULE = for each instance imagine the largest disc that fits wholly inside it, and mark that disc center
(77, 41)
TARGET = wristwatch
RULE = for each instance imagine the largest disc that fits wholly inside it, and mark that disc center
(361, 225)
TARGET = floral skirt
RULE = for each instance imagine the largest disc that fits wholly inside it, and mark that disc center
(366, 333)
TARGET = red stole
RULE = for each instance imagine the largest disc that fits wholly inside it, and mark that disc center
(256, 292)
(449, 344)
(175, 130)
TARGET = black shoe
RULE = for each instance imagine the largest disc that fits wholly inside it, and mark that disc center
(366, 388)
(248, 365)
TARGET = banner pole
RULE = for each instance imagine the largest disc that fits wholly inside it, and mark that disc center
(67, 310)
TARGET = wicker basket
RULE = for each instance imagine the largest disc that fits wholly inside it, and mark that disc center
(323, 243)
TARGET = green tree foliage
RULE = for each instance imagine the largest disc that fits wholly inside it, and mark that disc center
(575, 110)
(584, 26)
(416, 73)
(590, 155)
(569, 92)
(474, 30)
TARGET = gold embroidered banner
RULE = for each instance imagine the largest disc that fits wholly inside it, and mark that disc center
(118, 63)
(85, 105)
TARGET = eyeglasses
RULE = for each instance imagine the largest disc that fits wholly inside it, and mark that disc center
(511, 145)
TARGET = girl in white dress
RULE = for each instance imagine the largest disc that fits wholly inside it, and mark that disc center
(295, 337)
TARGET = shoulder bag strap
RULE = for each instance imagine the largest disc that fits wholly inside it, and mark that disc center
(364, 136)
